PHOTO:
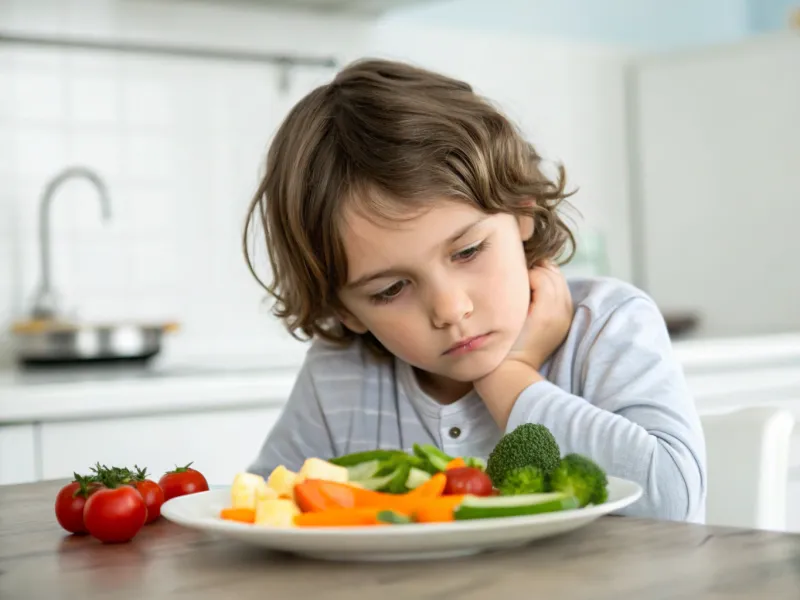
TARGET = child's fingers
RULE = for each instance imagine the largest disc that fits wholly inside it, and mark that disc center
(542, 283)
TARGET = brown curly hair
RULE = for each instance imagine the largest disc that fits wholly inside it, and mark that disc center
(387, 137)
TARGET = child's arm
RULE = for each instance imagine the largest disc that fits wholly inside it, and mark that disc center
(301, 431)
(636, 417)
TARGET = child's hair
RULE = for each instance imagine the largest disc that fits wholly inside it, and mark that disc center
(386, 139)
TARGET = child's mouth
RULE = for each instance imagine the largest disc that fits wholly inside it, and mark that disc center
(467, 345)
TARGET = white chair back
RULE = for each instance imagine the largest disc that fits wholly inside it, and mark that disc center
(748, 466)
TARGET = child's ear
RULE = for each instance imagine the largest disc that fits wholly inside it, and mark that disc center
(351, 322)
(525, 227)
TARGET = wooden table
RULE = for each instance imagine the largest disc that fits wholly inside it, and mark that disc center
(615, 558)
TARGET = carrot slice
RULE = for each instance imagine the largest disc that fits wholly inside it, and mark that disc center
(339, 517)
(433, 488)
(342, 495)
(438, 510)
(456, 463)
(309, 497)
(243, 515)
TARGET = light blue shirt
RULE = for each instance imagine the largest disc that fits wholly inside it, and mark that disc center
(613, 392)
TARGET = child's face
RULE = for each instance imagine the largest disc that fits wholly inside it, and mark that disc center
(425, 286)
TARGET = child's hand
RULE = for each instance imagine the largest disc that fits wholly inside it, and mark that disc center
(549, 317)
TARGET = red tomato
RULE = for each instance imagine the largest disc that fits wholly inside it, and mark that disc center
(467, 480)
(153, 497)
(115, 515)
(182, 481)
(70, 501)
(151, 492)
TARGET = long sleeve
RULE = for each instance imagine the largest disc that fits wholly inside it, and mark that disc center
(634, 415)
(300, 432)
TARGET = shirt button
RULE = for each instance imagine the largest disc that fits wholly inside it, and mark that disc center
(454, 432)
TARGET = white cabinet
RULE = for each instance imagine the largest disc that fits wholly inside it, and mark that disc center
(17, 454)
(219, 442)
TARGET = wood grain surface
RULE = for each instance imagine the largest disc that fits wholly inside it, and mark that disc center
(616, 557)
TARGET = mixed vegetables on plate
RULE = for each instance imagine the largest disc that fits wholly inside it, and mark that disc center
(525, 474)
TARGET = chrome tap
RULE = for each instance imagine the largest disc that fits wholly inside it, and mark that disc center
(45, 303)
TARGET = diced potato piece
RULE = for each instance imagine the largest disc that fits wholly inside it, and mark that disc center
(282, 481)
(247, 488)
(316, 468)
(276, 512)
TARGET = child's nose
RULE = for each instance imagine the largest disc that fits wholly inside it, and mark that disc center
(449, 306)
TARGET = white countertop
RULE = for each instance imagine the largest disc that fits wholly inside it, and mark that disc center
(711, 354)
(719, 371)
(27, 396)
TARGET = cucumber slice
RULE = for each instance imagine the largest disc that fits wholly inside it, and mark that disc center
(376, 483)
(489, 507)
(392, 483)
(393, 518)
(416, 477)
(363, 470)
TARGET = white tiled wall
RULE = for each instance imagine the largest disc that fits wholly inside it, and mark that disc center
(180, 145)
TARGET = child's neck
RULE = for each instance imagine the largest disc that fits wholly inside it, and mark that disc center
(442, 389)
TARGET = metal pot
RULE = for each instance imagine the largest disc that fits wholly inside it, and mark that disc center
(50, 342)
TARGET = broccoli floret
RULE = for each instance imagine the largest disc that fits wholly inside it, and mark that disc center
(580, 477)
(530, 444)
(524, 480)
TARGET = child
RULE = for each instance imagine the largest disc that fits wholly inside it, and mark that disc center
(412, 234)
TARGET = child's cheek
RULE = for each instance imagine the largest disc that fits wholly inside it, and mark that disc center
(403, 340)
(506, 290)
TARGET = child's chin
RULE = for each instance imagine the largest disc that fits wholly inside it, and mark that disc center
(469, 370)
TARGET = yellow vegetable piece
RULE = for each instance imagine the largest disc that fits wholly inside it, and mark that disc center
(276, 512)
(282, 480)
(247, 489)
(316, 468)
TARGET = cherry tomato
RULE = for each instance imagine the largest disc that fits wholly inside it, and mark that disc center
(115, 515)
(151, 492)
(182, 481)
(70, 501)
(153, 497)
(467, 480)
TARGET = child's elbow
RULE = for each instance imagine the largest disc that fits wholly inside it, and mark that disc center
(679, 484)
(674, 486)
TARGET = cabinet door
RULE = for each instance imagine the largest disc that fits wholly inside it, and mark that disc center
(218, 443)
(17, 454)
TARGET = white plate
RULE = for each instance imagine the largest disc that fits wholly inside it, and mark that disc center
(402, 542)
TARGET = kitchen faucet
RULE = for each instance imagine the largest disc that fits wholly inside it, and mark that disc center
(44, 305)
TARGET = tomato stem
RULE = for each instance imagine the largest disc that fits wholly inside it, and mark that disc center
(84, 481)
(141, 473)
(181, 469)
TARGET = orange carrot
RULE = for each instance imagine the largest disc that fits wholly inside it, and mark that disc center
(432, 488)
(243, 515)
(309, 497)
(438, 510)
(339, 517)
(342, 495)
(456, 463)
(317, 495)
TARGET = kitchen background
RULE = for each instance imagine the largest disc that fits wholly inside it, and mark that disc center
(678, 121)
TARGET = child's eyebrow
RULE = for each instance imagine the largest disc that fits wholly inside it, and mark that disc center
(364, 279)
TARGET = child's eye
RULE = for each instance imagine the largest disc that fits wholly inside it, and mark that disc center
(469, 253)
(389, 293)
